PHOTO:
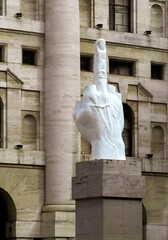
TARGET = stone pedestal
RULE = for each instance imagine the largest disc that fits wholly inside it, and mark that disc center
(108, 196)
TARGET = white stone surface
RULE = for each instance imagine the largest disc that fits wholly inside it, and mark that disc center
(99, 117)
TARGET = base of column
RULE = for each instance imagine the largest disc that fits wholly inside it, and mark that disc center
(58, 221)
(60, 206)
(108, 197)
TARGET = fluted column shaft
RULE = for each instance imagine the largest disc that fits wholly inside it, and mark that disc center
(61, 90)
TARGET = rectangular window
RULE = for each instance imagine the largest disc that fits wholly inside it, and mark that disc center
(157, 71)
(119, 15)
(2, 7)
(29, 56)
(86, 63)
(2, 53)
(120, 67)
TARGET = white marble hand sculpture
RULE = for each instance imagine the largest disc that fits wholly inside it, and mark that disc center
(99, 116)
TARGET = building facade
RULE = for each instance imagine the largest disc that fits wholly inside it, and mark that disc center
(46, 60)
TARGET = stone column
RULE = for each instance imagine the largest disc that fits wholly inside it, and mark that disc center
(108, 197)
(61, 90)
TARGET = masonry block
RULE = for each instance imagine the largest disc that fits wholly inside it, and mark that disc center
(108, 196)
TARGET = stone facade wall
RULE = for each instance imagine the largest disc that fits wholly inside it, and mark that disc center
(145, 94)
(22, 156)
(27, 191)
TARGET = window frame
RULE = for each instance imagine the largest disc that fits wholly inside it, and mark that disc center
(121, 64)
(154, 73)
(2, 53)
(35, 57)
(113, 15)
(89, 67)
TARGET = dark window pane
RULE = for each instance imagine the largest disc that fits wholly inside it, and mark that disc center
(86, 63)
(2, 53)
(121, 67)
(119, 2)
(157, 71)
(127, 132)
(119, 15)
(28, 57)
(1, 7)
(126, 2)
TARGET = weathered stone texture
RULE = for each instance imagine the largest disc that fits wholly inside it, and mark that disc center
(108, 205)
(22, 97)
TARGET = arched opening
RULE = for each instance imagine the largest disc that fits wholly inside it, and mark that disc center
(156, 20)
(157, 145)
(29, 132)
(7, 216)
(128, 130)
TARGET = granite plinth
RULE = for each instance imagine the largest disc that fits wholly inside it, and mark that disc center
(108, 196)
(108, 178)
